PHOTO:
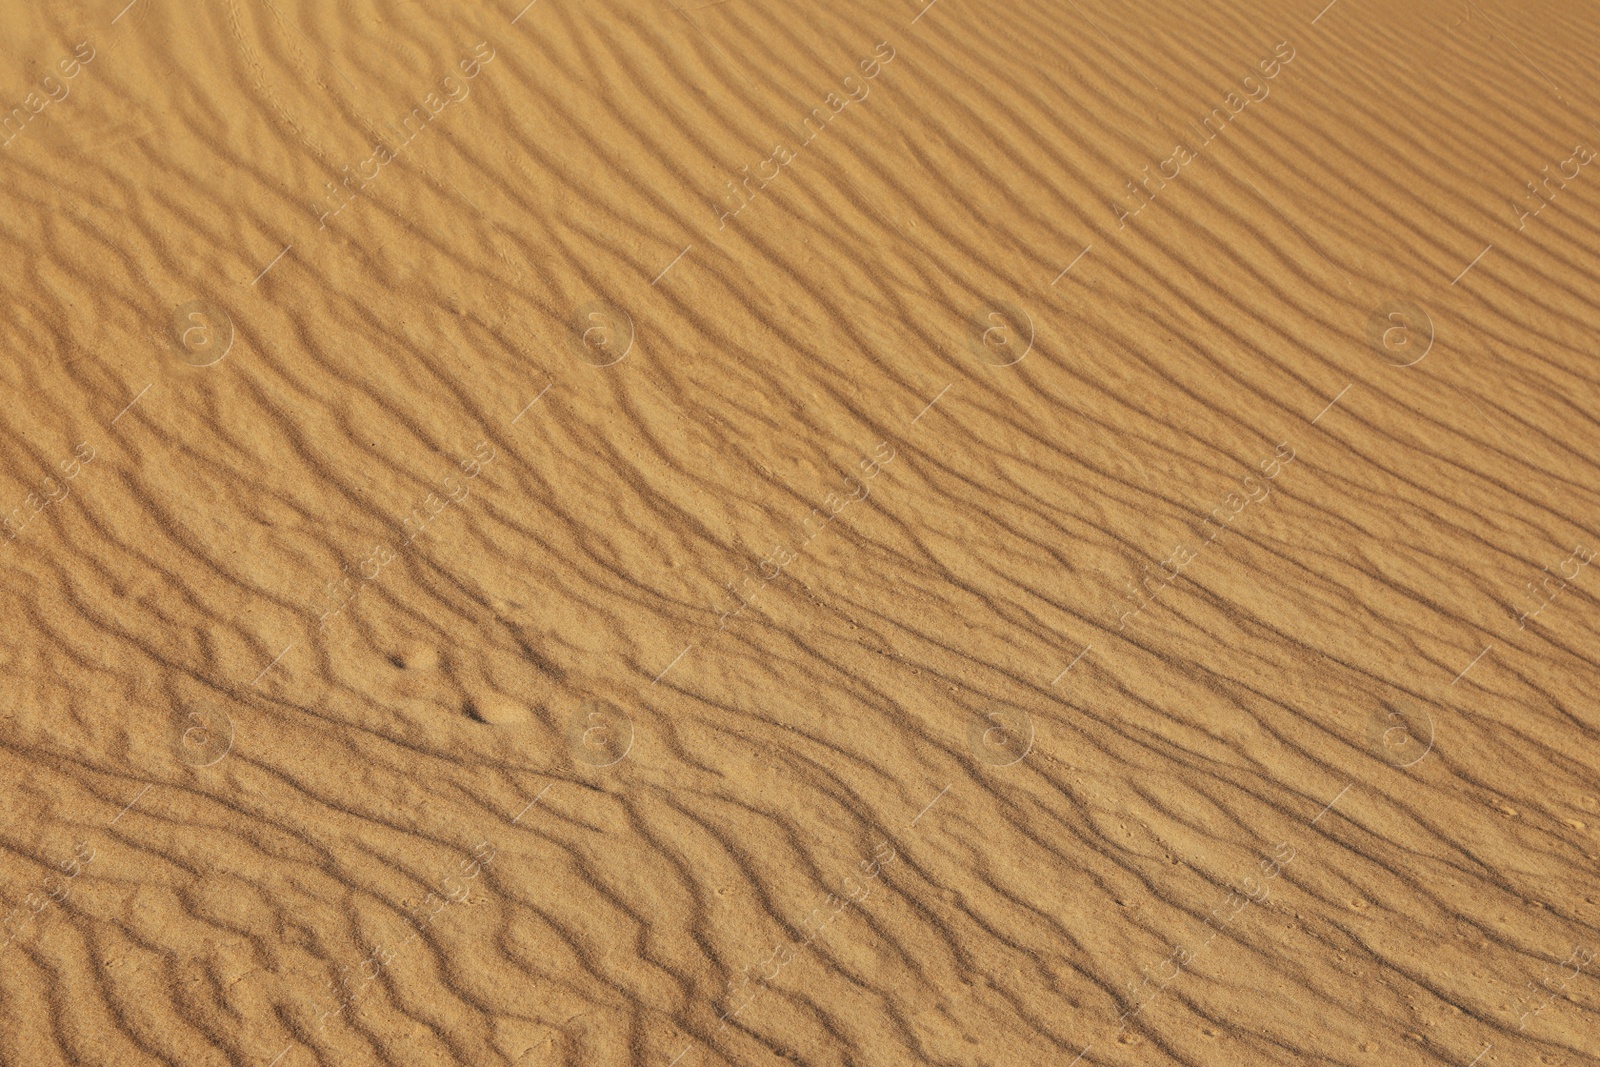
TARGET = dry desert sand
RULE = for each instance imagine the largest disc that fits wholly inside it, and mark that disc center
(879, 534)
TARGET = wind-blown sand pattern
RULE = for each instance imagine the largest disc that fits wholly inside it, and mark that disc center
(678, 533)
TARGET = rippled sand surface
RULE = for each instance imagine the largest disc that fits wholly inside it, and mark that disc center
(864, 534)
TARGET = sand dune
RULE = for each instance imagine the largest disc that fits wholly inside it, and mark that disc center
(689, 533)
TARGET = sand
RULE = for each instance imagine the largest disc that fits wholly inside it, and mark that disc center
(679, 534)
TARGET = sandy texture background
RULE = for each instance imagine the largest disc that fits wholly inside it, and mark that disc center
(858, 534)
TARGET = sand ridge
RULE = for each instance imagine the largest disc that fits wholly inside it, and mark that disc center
(468, 605)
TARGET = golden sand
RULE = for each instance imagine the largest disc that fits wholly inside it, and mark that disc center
(679, 533)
